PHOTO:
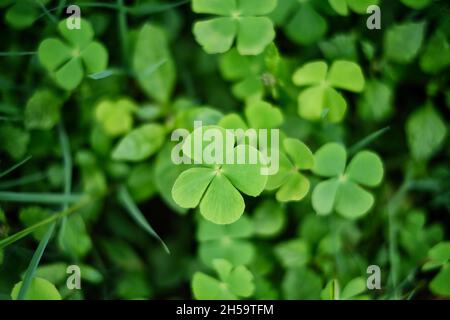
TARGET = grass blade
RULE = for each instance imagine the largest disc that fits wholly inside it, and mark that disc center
(34, 263)
(25, 232)
(32, 178)
(14, 167)
(137, 215)
(45, 198)
(367, 140)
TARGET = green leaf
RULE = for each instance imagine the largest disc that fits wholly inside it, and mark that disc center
(299, 153)
(301, 284)
(70, 75)
(152, 48)
(75, 240)
(42, 110)
(330, 160)
(14, 141)
(346, 75)
(140, 143)
(268, 219)
(295, 188)
(219, 7)
(307, 26)
(95, 57)
(440, 252)
(40, 289)
(115, 117)
(437, 54)
(256, 7)
(354, 288)
(29, 216)
(440, 284)
(254, 35)
(53, 53)
(205, 287)
(324, 196)
(352, 201)
(376, 103)
(340, 6)
(293, 253)
(262, 115)
(191, 185)
(426, 132)
(403, 41)
(216, 35)
(366, 168)
(311, 73)
(222, 203)
(77, 37)
(246, 176)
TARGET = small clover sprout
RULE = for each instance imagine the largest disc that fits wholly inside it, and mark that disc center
(43, 110)
(115, 117)
(439, 257)
(234, 283)
(359, 6)
(77, 55)
(39, 289)
(342, 192)
(291, 184)
(242, 20)
(228, 242)
(321, 99)
(215, 187)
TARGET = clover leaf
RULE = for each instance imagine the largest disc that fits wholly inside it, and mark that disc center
(321, 99)
(228, 242)
(22, 13)
(416, 4)
(359, 6)
(269, 219)
(403, 41)
(68, 60)
(115, 117)
(233, 283)
(214, 188)
(259, 115)
(293, 253)
(39, 289)
(439, 257)
(42, 110)
(140, 143)
(301, 22)
(242, 20)
(291, 184)
(246, 71)
(342, 192)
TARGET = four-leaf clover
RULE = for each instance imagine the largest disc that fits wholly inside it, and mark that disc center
(321, 99)
(242, 20)
(234, 283)
(342, 192)
(70, 59)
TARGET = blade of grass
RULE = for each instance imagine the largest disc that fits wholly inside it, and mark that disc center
(136, 214)
(25, 232)
(123, 31)
(367, 140)
(17, 53)
(47, 12)
(148, 8)
(35, 177)
(34, 263)
(14, 167)
(46, 198)
(67, 164)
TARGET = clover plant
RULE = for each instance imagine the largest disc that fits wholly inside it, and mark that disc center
(242, 21)
(233, 283)
(321, 99)
(342, 192)
(439, 258)
(344, 6)
(77, 55)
